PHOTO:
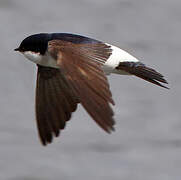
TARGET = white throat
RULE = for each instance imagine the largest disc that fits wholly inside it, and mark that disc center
(43, 60)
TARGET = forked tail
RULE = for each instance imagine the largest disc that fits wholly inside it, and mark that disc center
(140, 70)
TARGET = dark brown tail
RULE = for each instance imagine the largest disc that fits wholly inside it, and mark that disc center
(140, 70)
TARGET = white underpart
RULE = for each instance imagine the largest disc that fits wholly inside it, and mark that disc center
(118, 55)
(37, 58)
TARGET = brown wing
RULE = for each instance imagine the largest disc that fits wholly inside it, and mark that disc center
(81, 64)
(55, 102)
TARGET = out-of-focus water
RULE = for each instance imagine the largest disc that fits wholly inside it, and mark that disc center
(147, 141)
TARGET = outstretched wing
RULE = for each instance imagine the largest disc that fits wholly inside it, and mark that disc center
(81, 66)
(55, 101)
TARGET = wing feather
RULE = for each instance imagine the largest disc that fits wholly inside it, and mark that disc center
(82, 64)
(55, 102)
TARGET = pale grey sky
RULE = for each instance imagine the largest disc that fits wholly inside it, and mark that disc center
(147, 140)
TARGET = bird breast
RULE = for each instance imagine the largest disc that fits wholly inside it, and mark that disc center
(43, 60)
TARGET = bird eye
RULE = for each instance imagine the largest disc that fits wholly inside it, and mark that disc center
(22, 48)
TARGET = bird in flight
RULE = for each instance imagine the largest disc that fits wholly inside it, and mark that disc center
(72, 69)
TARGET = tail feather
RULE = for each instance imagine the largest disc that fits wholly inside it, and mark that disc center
(140, 70)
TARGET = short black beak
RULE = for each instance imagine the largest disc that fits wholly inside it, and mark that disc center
(17, 49)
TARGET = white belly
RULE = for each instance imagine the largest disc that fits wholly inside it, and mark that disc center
(118, 55)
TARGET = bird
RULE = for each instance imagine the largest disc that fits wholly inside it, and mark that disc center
(71, 70)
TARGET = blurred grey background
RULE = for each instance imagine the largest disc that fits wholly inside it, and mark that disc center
(147, 141)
